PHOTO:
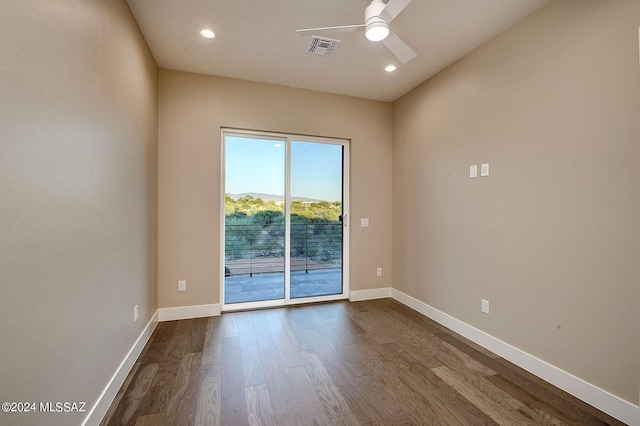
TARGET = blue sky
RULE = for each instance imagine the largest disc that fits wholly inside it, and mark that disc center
(258, 165)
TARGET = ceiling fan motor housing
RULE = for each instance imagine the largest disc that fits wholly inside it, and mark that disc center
(373, 20)
(373, 11)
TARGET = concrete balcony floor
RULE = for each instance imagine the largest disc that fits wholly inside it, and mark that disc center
(270, 286)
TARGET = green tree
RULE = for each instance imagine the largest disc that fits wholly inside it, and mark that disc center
(256, 228)
(267, 217)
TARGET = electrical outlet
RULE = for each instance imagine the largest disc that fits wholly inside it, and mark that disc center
(135, 313)
(364, 222)
(484, 306)
(182, 285)
(379, 272)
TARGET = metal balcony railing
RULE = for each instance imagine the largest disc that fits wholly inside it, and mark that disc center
(259, 249)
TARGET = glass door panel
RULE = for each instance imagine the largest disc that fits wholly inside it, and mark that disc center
(316, 246)
(254, 227)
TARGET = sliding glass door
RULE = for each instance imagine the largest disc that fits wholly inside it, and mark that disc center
(285, 210)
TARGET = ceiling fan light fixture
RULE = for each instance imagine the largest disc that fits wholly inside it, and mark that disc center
(377, 31)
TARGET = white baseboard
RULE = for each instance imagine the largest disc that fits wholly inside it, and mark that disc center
(376, 293)
(187, 312)
(101, 406)
(593, 395)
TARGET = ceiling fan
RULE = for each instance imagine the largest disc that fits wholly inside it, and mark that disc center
(377, 17)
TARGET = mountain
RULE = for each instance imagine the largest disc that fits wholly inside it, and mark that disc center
(272, 197)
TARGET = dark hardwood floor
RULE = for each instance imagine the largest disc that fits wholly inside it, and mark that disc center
(367, 363)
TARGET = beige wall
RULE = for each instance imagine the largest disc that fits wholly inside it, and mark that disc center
(551, 237)
(193, 108)
(78, 173)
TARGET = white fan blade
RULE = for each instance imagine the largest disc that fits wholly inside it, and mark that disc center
(393, 9)
(399, 48)
(339, 29)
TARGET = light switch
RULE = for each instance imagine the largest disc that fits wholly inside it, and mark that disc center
(473, 171)
(484, 169)
(364, 222)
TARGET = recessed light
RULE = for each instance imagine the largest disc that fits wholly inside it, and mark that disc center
(390, 68)
(207, 33)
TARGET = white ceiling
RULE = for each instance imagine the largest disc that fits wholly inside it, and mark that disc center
(257, 40)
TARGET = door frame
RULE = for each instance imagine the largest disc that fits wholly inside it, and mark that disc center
(288, 138)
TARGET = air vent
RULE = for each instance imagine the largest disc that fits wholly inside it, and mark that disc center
(322, 46)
